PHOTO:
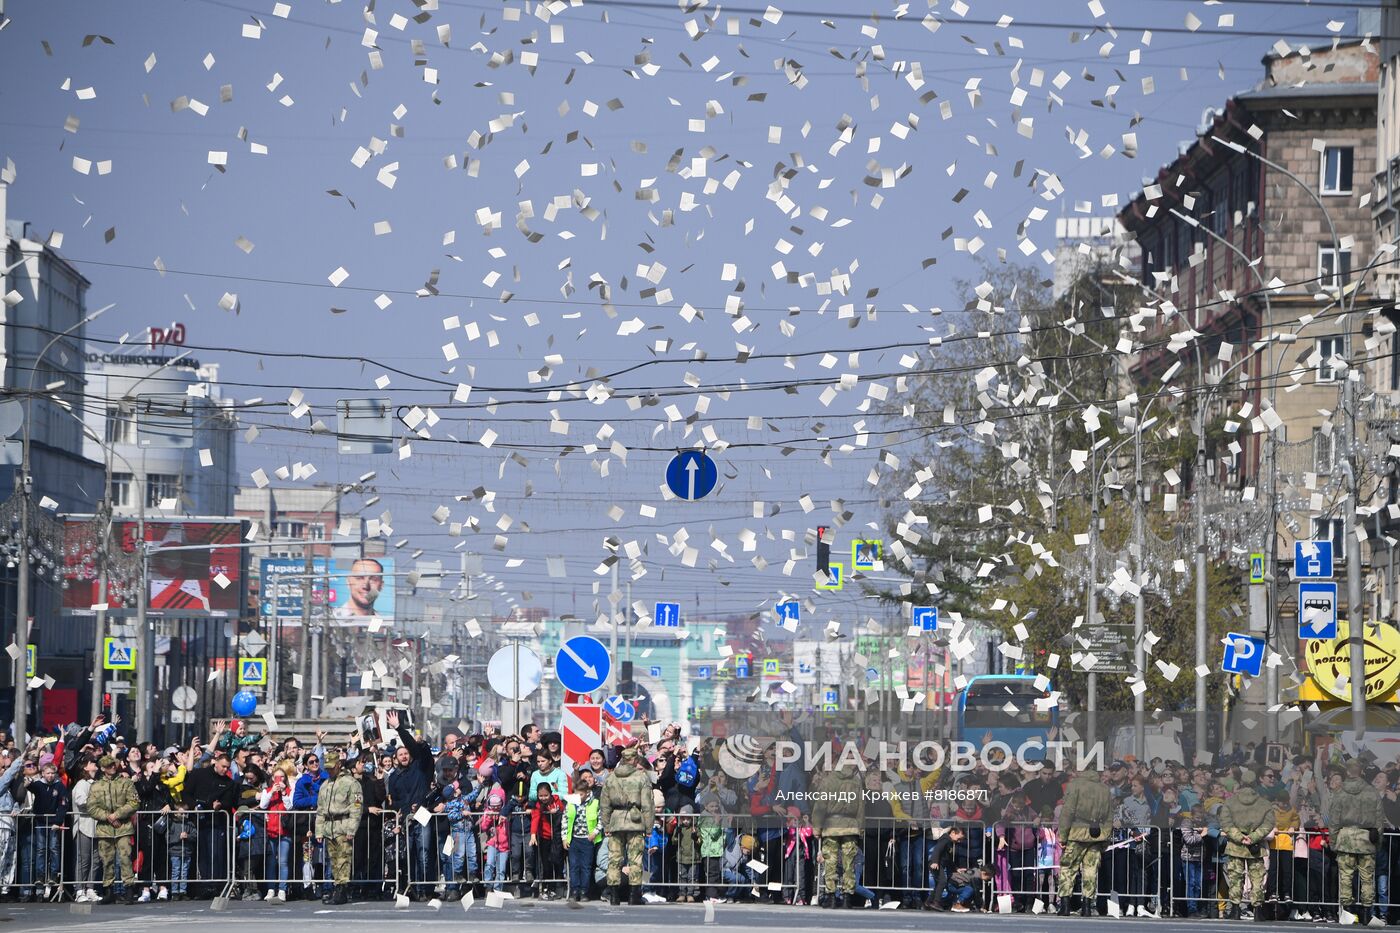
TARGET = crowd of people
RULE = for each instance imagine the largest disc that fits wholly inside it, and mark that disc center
(89, 816)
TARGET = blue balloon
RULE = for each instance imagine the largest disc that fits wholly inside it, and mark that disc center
(243, 703)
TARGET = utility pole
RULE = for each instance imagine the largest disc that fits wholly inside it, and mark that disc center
(1355, 632)
(1139, 628)
(145, 661)
(1093, 600)
(1200, 489)
(304, 658)
(612, 648)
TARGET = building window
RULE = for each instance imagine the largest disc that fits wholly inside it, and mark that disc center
(1334, 530)
(161, 486)
(121, 427)
(1330, 272)
(316, 532)
(1327, 348)
(289, 530)
(121, 491)
(1324, 450)
(1336, 170)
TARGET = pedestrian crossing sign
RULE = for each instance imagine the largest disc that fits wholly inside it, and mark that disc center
(1256, 568)
(770, 667)
(252, 672)
(117, 656)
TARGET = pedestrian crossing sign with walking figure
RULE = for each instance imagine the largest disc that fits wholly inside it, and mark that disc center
(117, 655)
(252, 672)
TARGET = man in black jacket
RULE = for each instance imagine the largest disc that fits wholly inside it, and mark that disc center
(369, 868)
(408, 785)
(942, 858)
(212, 787)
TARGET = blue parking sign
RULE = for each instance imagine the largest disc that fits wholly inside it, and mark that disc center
(1244, 654)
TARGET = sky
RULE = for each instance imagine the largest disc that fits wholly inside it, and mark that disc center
(759, 214)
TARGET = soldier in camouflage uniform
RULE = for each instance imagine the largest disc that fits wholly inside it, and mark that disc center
(1355, 818)
(1086, 819)
(338, 810)
(1247, 822)
(838, 817)
(625, 810)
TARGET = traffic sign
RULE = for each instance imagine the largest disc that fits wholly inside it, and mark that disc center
(31, 660)
(514, 672)
(582, 664)
(926, 618)
(741, 666)
(703, 672)
(582, 731)
(831, 701)
(667, 615)
(1244, 654)
(182, 717)
(252, 672)
(116, 686)
(771, 667)
(1256, 568)
(116, 656)
(619, 710)
(655, 671)
(789, 611)
(834, 580)
(253, 643)
(1312, 560)
(872, 674)
(183, 697)
(1317, 610)
(691, 475)
(866, 553)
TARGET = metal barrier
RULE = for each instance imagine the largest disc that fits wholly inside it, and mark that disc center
(277, 855)
(33, 849)
(253, 853)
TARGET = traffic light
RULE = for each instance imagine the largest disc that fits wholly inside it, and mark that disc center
(823, 551)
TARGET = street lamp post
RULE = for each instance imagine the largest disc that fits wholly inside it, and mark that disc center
(1356, 636)
(24, 488)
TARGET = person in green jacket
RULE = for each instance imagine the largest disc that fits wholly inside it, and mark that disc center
(582, 834)
(1086, 820)
(687, 835)
(112, 802)
(338, 807)
(838, 820)
(711, 831)
(1247, 823)
(626, 810)
(1355, 819)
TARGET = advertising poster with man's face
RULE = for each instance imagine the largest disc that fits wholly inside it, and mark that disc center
(361, 590)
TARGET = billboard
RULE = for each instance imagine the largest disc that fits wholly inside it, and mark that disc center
(207, 581)
(353, 591)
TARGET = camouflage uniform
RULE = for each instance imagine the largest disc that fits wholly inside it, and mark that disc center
(338, 808)
(838, 817)
(1086, 818)
(113, 795)
(1355, 819)
(625, 810)
(1246, 815)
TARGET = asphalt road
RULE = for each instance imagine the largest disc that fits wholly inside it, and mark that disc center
(250, 916)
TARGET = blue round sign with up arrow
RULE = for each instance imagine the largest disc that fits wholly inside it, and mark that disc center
(691, 475)
(582, 664)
